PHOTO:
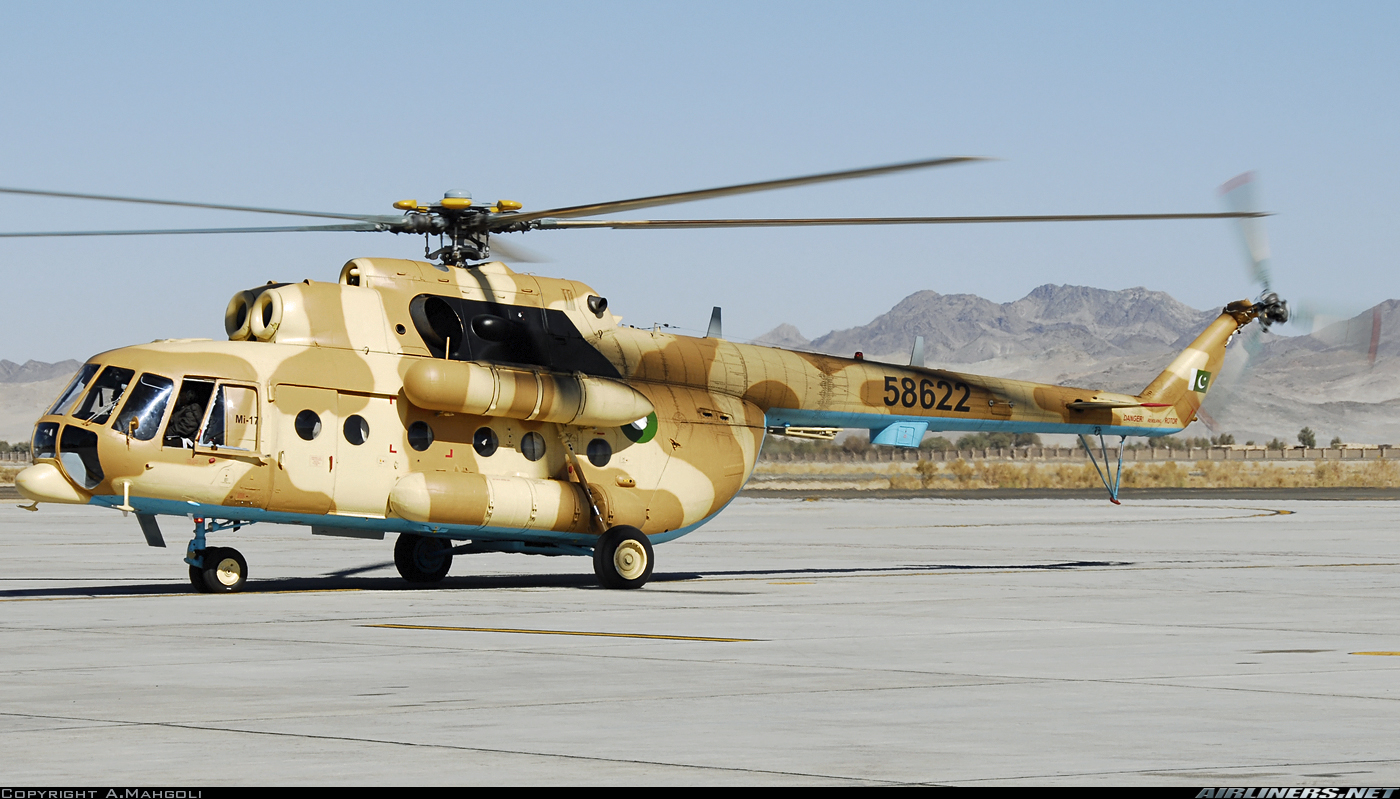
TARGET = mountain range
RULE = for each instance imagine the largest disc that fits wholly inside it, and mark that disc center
(1271, 386)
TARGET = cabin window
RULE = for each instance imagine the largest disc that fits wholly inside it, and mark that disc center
(140, 417)
(307, 425)
(356, 430)
(102, 398)
(599, 452)
(420, 436)
(485, 442)
(532, 446)
(75, 389)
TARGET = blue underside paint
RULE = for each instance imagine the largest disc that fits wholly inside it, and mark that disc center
(779, 417)
(168, 507)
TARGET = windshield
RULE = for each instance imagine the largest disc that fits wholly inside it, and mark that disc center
(102, 398)
(74, 390)
(141, 415)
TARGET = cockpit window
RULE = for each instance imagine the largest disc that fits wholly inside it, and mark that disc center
(45, 444)
(75, 389)
(102, 398)
(145, 407)
(183, 426)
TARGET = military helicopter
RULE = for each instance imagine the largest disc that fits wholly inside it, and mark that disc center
(469, 408)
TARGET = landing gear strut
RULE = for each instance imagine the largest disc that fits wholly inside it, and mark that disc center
(422, 559)
(623, 558)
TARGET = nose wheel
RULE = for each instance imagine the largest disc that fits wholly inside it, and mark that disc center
(225, 571)
(623, 558)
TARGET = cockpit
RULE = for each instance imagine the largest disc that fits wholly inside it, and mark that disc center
(204, 413)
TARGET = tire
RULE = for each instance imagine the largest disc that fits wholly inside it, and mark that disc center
(197, 580)
(422, 559)
(623, 558)
(225, 571)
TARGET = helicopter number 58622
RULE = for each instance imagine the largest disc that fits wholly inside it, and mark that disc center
(904, 391)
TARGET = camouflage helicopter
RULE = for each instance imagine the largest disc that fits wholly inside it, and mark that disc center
(469, 408)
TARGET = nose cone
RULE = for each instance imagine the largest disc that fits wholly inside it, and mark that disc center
(43, 482)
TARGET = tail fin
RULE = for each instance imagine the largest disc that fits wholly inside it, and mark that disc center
(1184, 383)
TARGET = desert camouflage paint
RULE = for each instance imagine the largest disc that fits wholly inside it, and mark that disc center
(500, 407)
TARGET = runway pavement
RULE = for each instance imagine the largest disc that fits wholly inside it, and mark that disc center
(969, 642)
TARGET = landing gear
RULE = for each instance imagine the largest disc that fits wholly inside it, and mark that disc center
(623, 558)
(215, 570)
(422, 559)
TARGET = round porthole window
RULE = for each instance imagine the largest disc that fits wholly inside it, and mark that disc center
(599, 452)
(356, 430)
(308, 425)
(532, 446)
(420, 436)
(485, 442)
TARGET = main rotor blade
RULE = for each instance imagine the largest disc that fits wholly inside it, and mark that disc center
(1239, 194)
(516, 252)
(625, 224)
(359, 226)
(180, 203)
(507, 220)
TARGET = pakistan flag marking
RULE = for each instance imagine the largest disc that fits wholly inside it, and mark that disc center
(1201, 381)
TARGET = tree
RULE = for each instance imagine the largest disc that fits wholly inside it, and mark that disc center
(1307, 438)
(1336, 442)
(936, 443)
(1277, 443)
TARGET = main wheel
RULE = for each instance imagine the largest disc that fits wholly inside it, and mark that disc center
(421, 559)
(623, 558)
(197, 580)
(225, 570)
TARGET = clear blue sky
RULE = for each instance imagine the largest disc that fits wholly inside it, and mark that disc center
(349, 106)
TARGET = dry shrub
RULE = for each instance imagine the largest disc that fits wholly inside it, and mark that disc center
(904, 481)
(1002, 475)
(1168, 474)
(928, 473)
(961, 472)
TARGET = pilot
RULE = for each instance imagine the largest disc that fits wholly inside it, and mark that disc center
(185, 419)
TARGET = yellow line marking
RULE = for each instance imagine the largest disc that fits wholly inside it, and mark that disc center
(1392, 654)
(557, 632)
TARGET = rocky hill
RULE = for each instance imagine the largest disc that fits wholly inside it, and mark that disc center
(26, 390)
(1272, 385)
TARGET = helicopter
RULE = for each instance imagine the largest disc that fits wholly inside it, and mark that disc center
(469, 408)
